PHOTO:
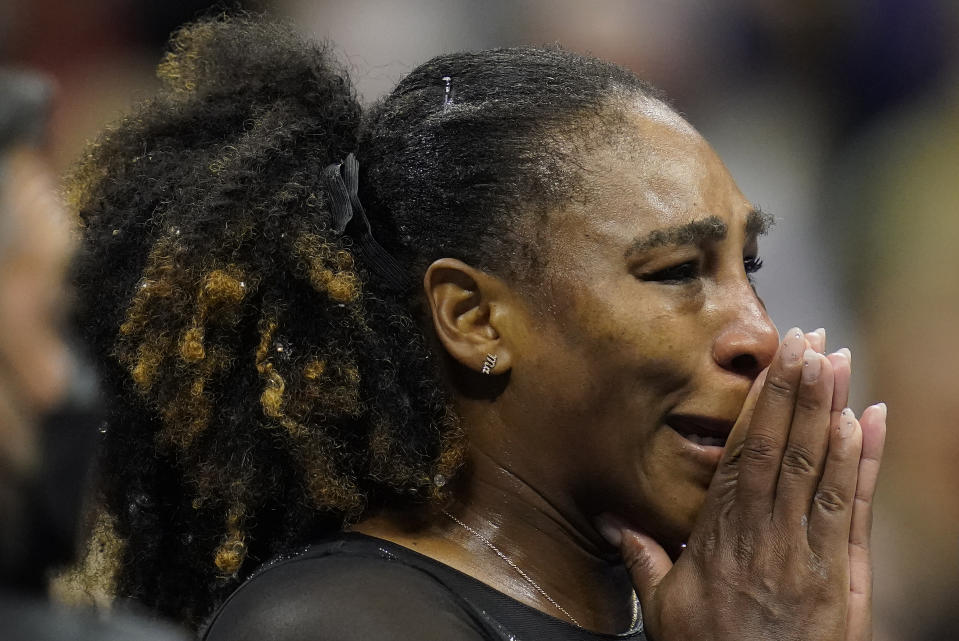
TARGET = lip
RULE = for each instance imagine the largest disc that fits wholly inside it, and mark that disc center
(701, 425)
(703, 428)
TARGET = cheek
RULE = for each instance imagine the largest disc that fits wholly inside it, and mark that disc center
(605, 384)
(637, 344)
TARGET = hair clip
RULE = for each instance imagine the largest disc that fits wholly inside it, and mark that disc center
(349, 217)
(448, 94)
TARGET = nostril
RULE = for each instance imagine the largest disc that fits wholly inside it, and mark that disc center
(745, 364)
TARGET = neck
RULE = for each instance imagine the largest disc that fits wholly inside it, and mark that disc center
(567, 560)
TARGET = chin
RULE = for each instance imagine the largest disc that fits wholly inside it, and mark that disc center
(676, 522)
(673, 539)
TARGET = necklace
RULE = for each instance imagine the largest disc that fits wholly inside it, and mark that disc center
(518, 569)
(530, 581)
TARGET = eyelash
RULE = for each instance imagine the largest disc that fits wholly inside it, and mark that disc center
(752, 264)
(675, 274)
(689, 270)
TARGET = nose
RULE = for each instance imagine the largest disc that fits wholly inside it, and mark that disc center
(748, 342)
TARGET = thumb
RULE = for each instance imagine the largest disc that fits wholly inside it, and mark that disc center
(647, 563)
(645, 559)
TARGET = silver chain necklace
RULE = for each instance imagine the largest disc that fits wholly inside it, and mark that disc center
(529, 579)
(518, 569)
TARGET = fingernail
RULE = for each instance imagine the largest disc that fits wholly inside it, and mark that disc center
(846, 422)
(845, 352)
(877, 412)
(815, 341)
(793, 346)
(811, 366)
(885, 411)
(610, 532)
(821, 331)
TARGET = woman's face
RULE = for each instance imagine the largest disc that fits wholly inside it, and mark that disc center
(638, 350)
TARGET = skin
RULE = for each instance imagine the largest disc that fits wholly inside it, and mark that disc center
(35, 254)
(645, 322)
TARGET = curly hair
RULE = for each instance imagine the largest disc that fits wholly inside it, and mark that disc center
(264, 387)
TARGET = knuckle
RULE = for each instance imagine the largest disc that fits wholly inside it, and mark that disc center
(779, 388)
(800, 460)
(821, 573)
(811, 402)
(830, 500)
(759, 449)
(636, 560)
(729, 466)
(724, 489)
(777, 547)
(705, 546)
(744, 549)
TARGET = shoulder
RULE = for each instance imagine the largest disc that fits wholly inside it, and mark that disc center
(343, 596)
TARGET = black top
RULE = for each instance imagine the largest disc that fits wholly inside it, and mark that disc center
(357, 587)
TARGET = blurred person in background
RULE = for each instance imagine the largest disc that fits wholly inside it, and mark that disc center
(49, 410)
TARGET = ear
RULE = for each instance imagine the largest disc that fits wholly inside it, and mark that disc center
(468, 308)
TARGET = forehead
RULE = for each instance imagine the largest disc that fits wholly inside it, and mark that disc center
(653, 171)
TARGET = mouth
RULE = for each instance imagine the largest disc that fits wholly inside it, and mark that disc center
(701, 430)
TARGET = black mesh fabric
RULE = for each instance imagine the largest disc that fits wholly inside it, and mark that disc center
(357, 587)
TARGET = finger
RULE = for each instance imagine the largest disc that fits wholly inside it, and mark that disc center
(762, 448)
(727, 471)
(646, 560)
(841, 361)
(647, 563)
(873, 441)
(817, 340)
(805, 453)
(859, 617)
(831, 510)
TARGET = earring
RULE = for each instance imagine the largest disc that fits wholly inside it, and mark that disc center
(489, 363)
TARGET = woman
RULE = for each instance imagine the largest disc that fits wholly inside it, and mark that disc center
(498, 328)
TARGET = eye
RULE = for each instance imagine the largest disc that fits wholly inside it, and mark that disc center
(681, 273)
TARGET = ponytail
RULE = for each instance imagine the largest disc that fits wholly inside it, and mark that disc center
(259, 393)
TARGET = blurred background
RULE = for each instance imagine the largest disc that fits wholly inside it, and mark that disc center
(840, 117)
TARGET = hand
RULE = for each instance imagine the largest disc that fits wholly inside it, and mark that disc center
(780, 550)
(873, 423)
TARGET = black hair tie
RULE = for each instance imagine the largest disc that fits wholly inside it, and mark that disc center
(349, 217)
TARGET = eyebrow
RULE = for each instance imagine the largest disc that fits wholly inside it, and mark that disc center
(698, 232)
